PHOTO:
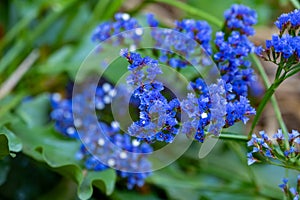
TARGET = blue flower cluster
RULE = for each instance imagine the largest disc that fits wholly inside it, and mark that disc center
(285, 45)
(223, 104)
(283, 49)
(63, 116)
(62, 112)
(270, 149)
(240, 18)
(291, 192)
(288, 21)
(239, 110)
(207, 111)
(232, 63)
(122, 22)
(197, 110)
(119, 151)
(233, 48)
(218, 105)
(181, 44)
(197, 30)
(157, 117)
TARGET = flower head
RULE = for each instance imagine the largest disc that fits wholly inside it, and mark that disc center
(288, 20)
(241, 18)
(122, 22)
(157, 117)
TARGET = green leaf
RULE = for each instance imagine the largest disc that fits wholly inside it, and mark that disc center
(6, 119)
(9, 143)
(35, 112)
(107, 183)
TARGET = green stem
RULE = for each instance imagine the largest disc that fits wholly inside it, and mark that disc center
(293, 71)
(230, 136)
(261, 106)
(264, 102)
(193, 11)
(273, 100)
(278, 72)
(284, 166)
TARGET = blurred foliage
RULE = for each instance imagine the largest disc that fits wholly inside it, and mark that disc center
(37, 162)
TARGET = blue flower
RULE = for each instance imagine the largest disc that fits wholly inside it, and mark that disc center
(268, 153)
(267, 148)
(122, 22)
(286, 19)
(218, 107)
(293, 135)
(241, 18)
(279, 135)
(251, 159)
(285, 45)
(190, 105)
(197, 30)
(239, 111)
(283, 186)
(62, 114)
(179, 45)
(290, 192)
(136, 65)
(283, 48)
(151, 20)
(232, 63)
(157, 118)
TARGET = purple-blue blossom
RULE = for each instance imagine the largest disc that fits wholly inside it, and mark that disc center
(275, 148)
(180, 47)
(231, 58)
(283, 186)
(122, 22)
(240, 18)
(239, 110)
(285, 45)
(250, 159)
(157, 116)
(288, 20)
(199, 31)
(283, 49)
(152, 22)
(218, 107)
(290, 192)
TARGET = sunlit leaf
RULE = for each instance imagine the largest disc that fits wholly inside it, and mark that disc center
(9, 143)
